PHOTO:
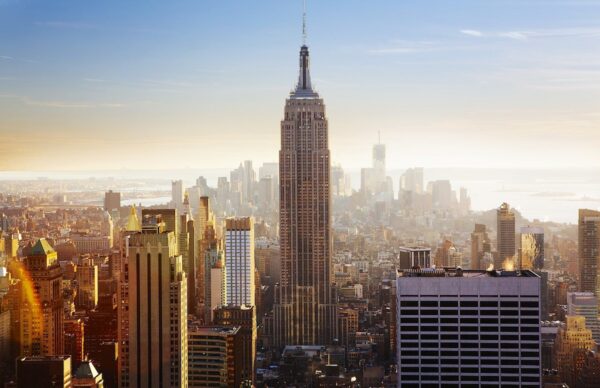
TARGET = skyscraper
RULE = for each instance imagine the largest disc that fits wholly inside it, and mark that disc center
(531, 253)
(188, 246)
(305, 310)
(177, 194)
(505, 235)
(480, 244)
(589, 250)
(239, 262)
(37, 304)
(87, 284)
(157, 339)
(412, 180)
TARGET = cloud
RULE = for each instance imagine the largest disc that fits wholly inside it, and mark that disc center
(576, 32)
(471, 32)
(6, 57)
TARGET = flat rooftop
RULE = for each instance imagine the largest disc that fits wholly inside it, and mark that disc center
(466, 273)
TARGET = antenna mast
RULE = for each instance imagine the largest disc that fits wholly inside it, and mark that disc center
(304, 23)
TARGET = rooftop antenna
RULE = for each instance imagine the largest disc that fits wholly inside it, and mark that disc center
(304, 23)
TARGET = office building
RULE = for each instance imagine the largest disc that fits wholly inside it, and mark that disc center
(572, 339)
(74, 340)
(468, 328)
(305, 310)
(531, 253)
(213, 356)
(243, 317)
(157, 307)
(44, 372)
(112, 201)
(585, 304)
(177, 194)
(441, 194)
(589, 250)
(412, 180)
(205, 237)
(90, 244)
(37, 304)
(505, 236)
(480, 245)
(87, 284)
(188, 248)
(239, 262)
(218, 291)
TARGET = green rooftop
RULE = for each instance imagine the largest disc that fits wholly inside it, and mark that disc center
(42, 247)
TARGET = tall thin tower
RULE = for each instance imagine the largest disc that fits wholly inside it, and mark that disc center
(304, 311)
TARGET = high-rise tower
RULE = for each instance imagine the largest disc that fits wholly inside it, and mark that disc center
(589, 250)
(304, 311)
(505, 236)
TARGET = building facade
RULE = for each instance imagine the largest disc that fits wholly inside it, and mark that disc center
(213, 357)
(531, 252)
(239, 262)
(37, 304)
(505, 236)
(589, 250)
(305, 310)
(243, 317)
(157, 308)
(468, 328)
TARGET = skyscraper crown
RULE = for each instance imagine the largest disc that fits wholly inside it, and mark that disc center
(304, 87)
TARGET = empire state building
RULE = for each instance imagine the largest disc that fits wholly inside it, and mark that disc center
(305, 310)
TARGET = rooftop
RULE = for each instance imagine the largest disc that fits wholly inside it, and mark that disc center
(86, 370)
(42, 247)
(459, 272)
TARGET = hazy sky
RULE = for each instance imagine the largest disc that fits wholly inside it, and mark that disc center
(167, 84)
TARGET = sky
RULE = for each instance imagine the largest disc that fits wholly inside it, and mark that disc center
(202, 84)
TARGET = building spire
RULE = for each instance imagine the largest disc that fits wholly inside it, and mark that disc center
(304, 87)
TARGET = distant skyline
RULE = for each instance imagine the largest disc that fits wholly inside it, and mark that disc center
(138, 85)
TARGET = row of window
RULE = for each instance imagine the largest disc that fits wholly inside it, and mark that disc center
(487, 329)
(474, 337)
(470, 320)
(463, 360)
(467, 311)
(468, 303)
(466, 370)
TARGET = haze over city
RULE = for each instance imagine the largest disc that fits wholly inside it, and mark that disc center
(309, 194)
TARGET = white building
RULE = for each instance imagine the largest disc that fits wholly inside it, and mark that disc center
(177, 194)
(468, 328)
(239, 262)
